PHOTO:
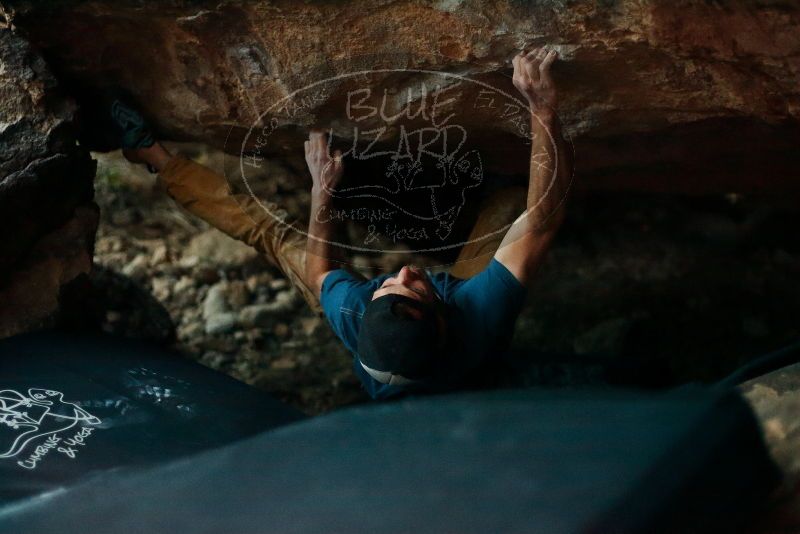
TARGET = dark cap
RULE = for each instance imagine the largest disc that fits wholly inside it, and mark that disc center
(395, 347)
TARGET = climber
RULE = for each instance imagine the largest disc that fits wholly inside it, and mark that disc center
(411, 330)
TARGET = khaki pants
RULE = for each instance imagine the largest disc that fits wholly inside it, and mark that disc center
(207, 195)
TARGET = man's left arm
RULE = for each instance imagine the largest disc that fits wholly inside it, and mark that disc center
(525, 244)
(322, 256)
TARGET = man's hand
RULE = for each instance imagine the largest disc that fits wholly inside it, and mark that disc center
(532, 78)
(156, 155)
(326, 171)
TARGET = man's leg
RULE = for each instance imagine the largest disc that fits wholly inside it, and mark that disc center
(207, 195)
(497, 212)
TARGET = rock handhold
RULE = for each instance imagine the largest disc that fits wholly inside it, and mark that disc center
(657, 96)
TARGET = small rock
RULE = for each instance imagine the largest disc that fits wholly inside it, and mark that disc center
(137, 268)
(215, 301)
(279, 284)
(262, 295)
(187, 301)
(263, 315)
(282, 331)
(293, 345)
(255, 334)
(159, 255)
(256, 281)
(190, 331)
(206, 275)
(214, 359)
(285, 301)
(215, 247)
(221, 323)
(238, 294)
(108, 244)
(311, 326)
(187, 262)
(184, 284)
(218, 317)
(252, 283)
(283, 363)
(224, 344)
(162, 287)
(257, 316)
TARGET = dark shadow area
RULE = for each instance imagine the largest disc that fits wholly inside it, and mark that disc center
(662, 290)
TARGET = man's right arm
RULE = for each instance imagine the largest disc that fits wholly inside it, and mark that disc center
(525, 244)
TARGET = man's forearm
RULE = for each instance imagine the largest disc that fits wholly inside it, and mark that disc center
(321, 255)
(550, 174)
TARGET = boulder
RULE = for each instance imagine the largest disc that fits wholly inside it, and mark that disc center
(656, 95)
(47, 216)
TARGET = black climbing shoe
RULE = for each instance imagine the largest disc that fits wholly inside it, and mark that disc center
(111, 120)
(132, 129)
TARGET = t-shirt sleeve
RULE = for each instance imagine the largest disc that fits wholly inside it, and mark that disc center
(343, 299)
(490, 303)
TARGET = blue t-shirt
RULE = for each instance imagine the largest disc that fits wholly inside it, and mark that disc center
(481, 315)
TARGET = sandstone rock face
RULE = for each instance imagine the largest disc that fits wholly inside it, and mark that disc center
(775, 398)
(657, 95)
(47, 216)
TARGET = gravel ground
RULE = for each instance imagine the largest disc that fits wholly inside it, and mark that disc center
(648, 290)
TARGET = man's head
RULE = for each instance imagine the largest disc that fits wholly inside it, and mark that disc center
(403, 329)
